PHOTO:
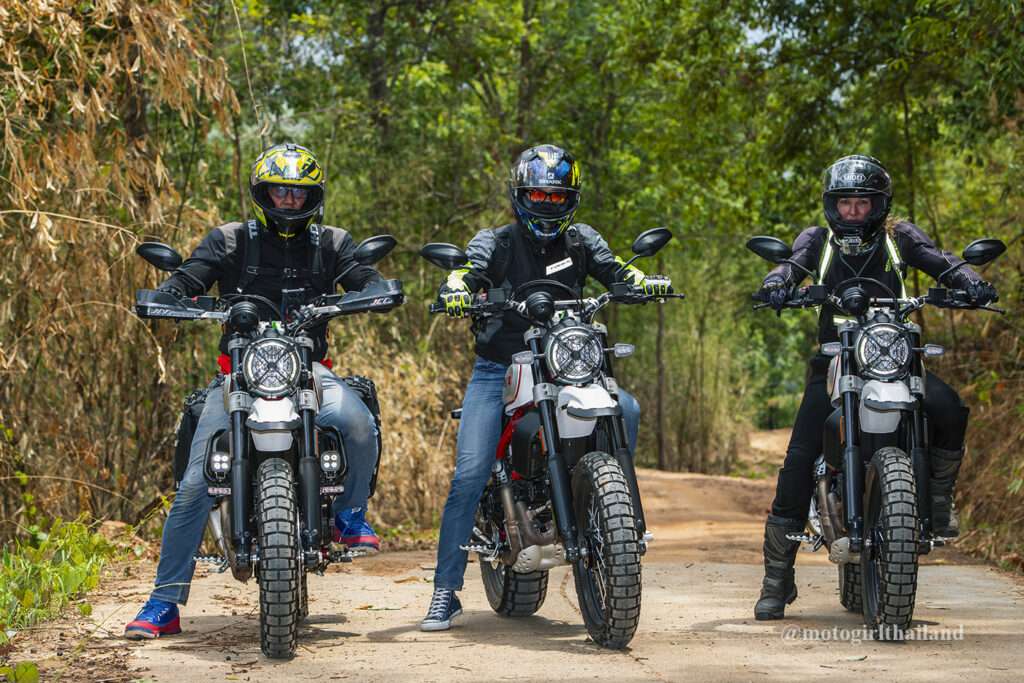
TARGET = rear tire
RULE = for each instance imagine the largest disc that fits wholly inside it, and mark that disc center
(512, 594)
(280, 572)
(889, 564)
(851, 587)
(608, 582)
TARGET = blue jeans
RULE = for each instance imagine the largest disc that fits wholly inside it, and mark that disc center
(479, 433)
(183, 531)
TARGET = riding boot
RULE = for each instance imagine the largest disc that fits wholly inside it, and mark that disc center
(779, 586)
(945, 465)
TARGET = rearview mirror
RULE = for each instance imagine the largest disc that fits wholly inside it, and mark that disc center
(373, 249)
(443, 255)
(769, 248)
(650, 242)
(159, 255)
(980, 252)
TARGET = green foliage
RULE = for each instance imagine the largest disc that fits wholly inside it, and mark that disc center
(22, 672)
(41, 574)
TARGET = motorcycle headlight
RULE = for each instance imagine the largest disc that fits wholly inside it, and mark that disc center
(573, 354)
(271, 367)
(883, 351)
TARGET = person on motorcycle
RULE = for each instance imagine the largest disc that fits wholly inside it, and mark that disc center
(543, 242)
(859, 241)
(284, 248)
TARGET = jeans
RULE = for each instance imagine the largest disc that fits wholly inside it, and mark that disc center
(342, 409)
(479, 433)
(947, 419)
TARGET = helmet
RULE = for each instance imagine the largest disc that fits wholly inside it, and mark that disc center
(546, 169)
(287, 165)
(857, 176)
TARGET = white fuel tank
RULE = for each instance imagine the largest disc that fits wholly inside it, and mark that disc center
(518, 389)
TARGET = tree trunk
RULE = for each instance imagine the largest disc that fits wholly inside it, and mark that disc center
(660, 360)
(524, 106)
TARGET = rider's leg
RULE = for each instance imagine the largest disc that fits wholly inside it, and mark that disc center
(183, 530)
(344, 410)
(479, 433)
(793, 496)
(947, 416)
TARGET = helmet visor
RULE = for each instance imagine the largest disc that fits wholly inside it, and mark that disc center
(547, 202)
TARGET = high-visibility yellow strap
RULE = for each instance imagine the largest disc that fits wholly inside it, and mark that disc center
(896, 262)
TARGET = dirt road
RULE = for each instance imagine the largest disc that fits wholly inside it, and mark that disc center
(701, 579)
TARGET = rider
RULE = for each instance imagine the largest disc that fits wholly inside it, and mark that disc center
(543, 242)
(859, 242)
(284, 248)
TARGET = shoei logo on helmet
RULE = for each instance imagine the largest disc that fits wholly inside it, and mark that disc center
(853, 177)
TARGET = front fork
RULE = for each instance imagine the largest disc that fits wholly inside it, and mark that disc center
(241, 476)
(309, 467)
(919, 453)
(853, 466)
(558, 472)
(625, 460)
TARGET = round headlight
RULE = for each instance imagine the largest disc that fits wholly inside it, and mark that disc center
(271, 367)
(574, 354)
(883, 351)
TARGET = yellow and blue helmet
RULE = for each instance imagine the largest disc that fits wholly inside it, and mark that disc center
(287, 168)
(544, 186)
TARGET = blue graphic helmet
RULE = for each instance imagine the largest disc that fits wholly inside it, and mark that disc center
(544, 186)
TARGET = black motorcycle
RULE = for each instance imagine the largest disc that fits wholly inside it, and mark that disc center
(871, 503)
(563, 488)
(274, 474)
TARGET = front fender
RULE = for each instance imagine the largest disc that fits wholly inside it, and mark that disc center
(578, 408)
(882, 404)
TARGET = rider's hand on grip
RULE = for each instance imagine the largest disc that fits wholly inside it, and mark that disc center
(456, 302)
(981, 293)
(656, 285)
(775, 292)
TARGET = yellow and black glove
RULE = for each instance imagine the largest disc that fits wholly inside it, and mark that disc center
(455, 295)
(653, 285)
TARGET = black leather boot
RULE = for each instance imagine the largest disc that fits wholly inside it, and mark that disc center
(779, 587)
(945, 466)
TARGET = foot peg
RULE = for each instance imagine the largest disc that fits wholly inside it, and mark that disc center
(220, 563)
(339, 552)
(815, 540)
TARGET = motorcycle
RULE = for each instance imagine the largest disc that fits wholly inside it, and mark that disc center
(273, 474)
(871, 507)
(563, 487)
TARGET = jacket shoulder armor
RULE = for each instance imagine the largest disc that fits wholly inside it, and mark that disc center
(333, 237)
(233, 234)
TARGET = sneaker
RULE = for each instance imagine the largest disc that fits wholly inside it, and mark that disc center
(444, 606)
(352, 529)
(156, 618)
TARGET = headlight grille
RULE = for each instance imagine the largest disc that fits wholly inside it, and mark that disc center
(271, 367)
(574, 354)
(883, 351)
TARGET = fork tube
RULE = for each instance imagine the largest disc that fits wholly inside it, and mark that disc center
(309, 473)
(558, 473)
(241, 477)
(854, 469)
(919, 450)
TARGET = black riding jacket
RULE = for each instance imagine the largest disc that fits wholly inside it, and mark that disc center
(283, 264)
(506, 257)
(913, 248)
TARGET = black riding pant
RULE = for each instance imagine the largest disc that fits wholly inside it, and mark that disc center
(947, 418)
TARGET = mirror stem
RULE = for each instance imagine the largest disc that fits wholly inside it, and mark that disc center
(794, 263)
(950, 270)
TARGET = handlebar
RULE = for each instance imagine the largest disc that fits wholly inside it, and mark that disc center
(815, 295)
(494, 302)
(376, 297)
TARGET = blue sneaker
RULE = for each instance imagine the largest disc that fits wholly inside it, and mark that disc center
(156, 618)
(444, 606)
(352, 529)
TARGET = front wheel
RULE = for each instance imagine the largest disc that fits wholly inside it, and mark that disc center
(888, 562)
(280, 569)
(608, 577)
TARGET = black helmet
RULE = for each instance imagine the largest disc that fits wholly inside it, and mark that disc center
(857, 176)
(287, 167)
(548, 173)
